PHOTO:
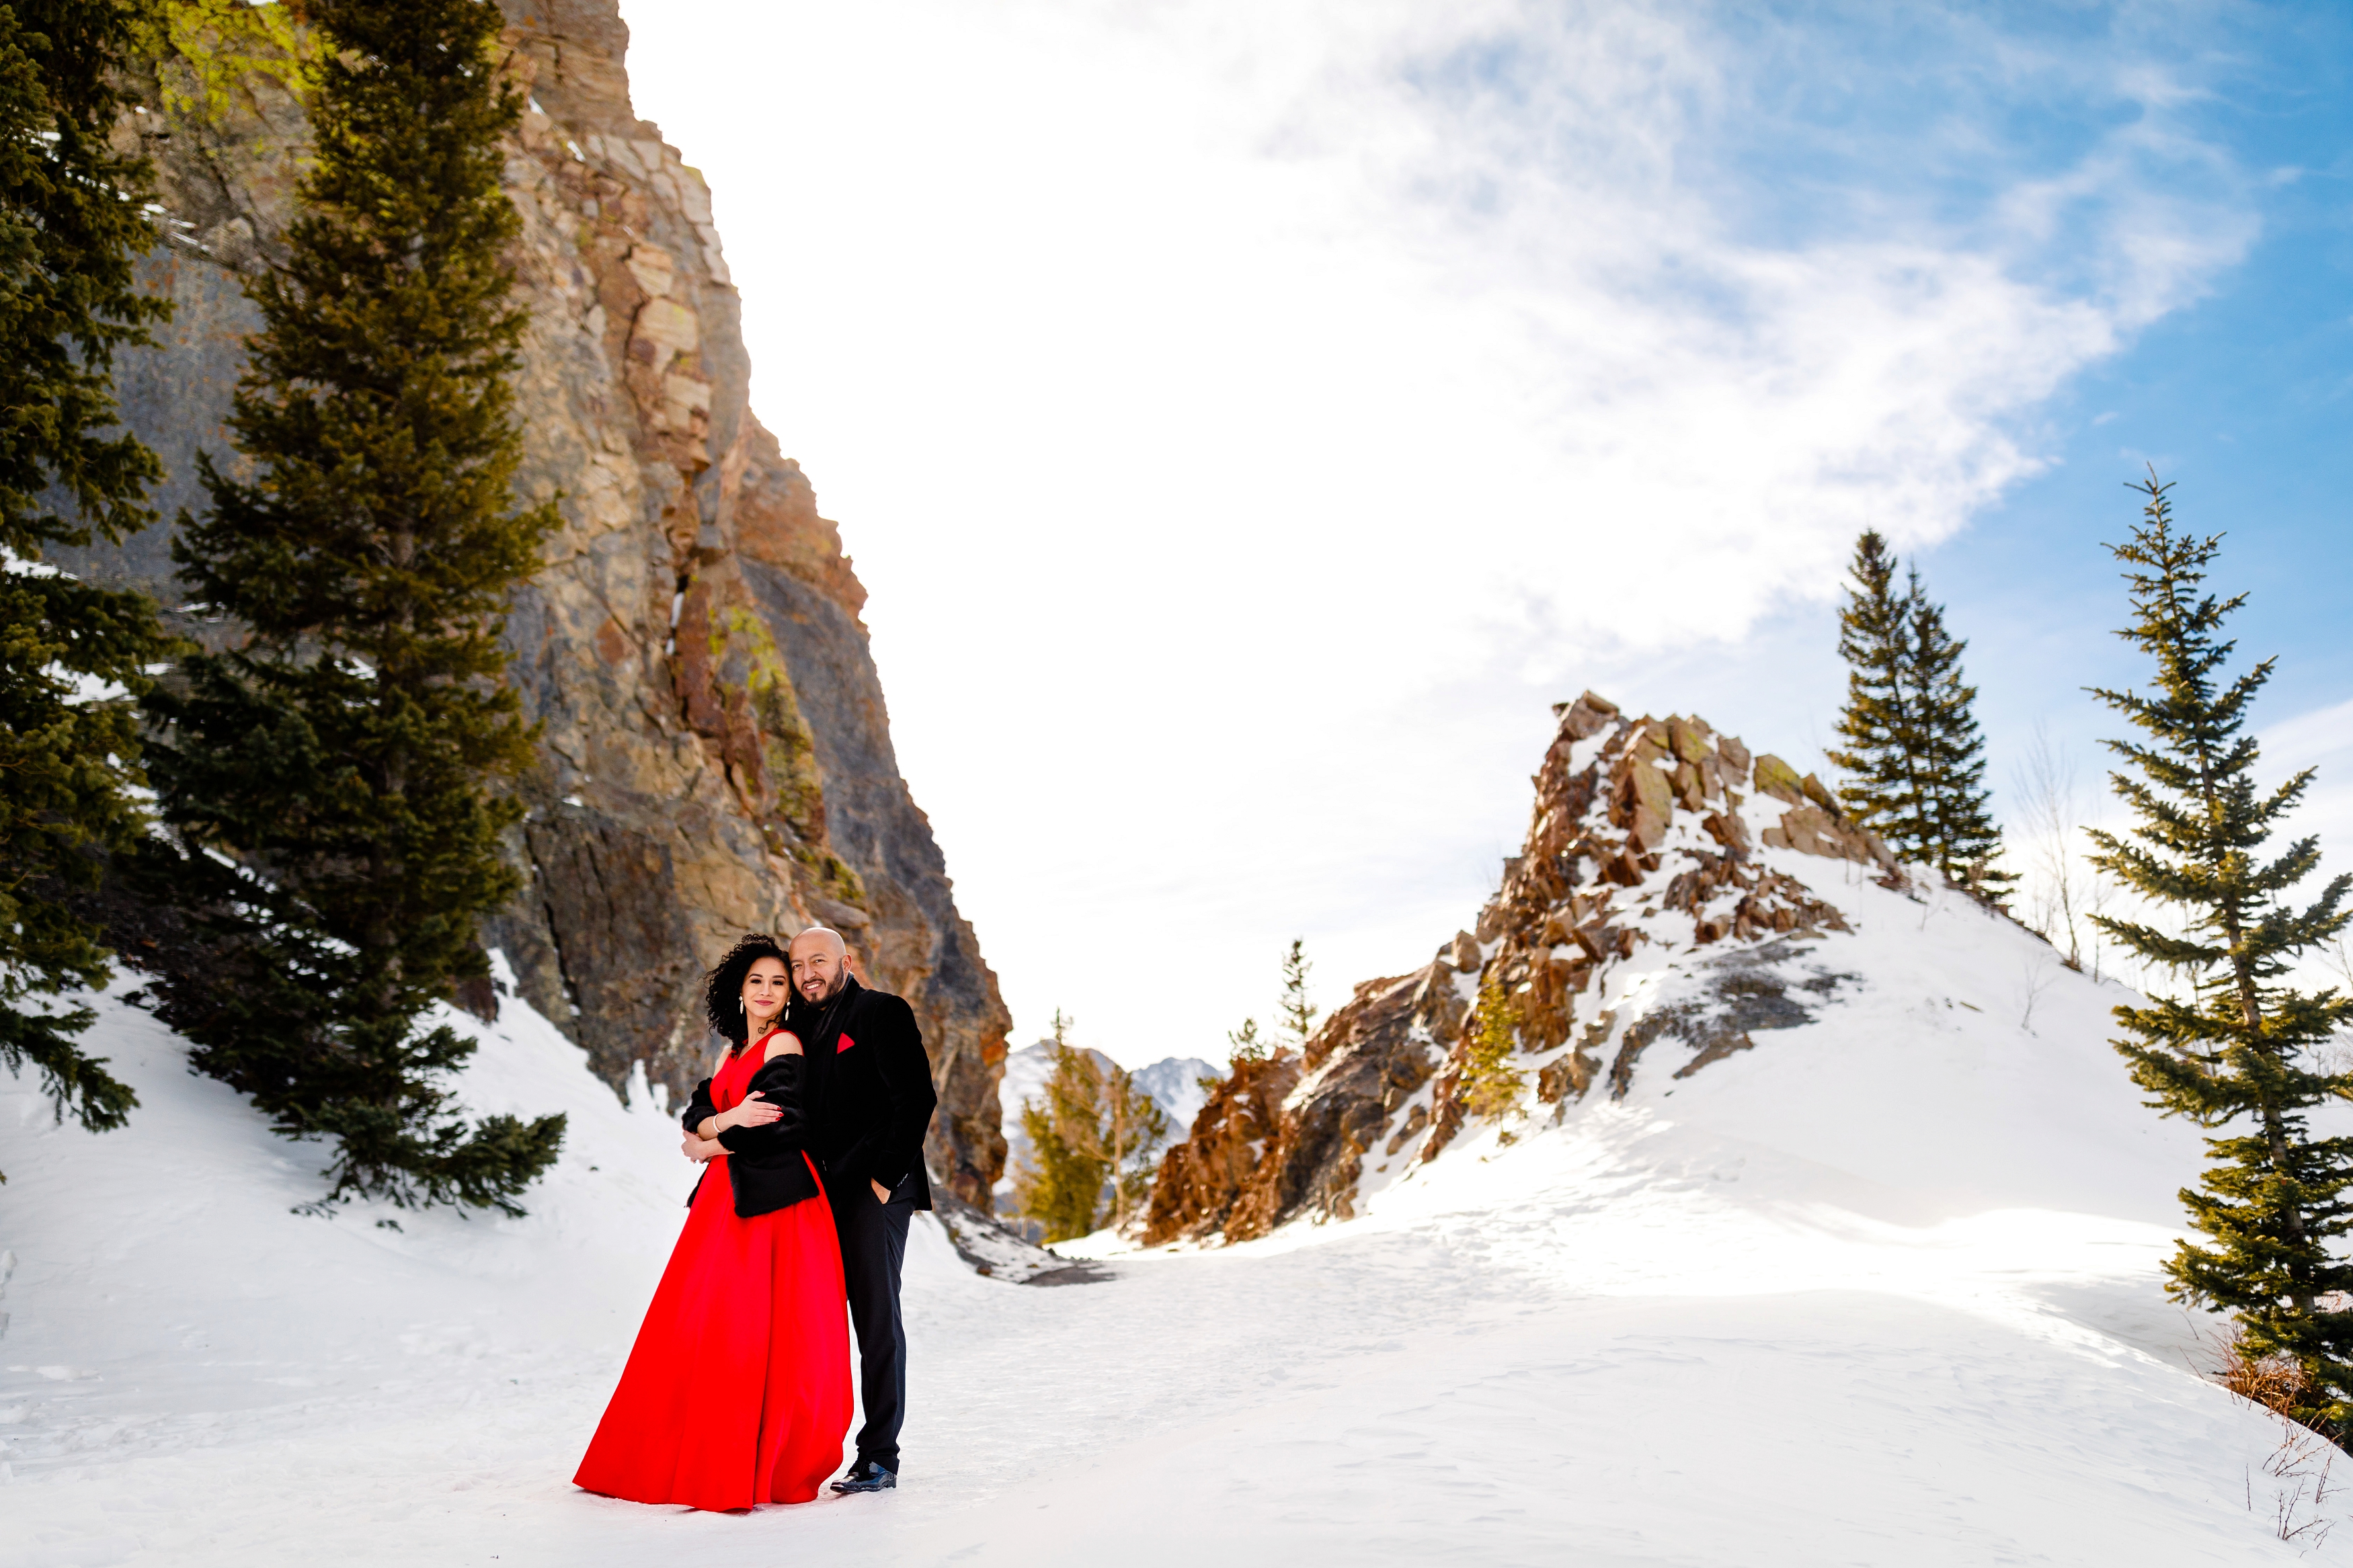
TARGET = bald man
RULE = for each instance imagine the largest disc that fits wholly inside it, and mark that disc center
(871, 1098)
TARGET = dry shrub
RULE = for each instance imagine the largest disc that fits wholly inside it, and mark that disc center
(2277, 1383)
(2300, 1468)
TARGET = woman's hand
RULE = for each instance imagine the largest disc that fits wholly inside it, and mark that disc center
(756, 1112)
(700, 1149)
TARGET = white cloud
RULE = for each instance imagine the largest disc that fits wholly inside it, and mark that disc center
(1247, 417)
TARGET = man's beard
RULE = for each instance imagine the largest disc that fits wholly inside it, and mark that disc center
(830, 992)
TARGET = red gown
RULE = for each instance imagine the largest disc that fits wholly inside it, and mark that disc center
(737, 1391)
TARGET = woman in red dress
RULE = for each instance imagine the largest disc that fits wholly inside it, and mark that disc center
(737, 1391)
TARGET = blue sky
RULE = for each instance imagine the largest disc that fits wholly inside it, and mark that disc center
(2243, 398)
(1249, 419)
(2240, 396)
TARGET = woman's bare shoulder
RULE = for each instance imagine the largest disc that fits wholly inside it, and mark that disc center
(783, 1042)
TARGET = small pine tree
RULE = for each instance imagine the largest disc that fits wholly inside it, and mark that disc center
(1913, 754)
(2241, 1054)
(1957, 831)
(1243, 1044)
(338, 779)
(1491, 1086)
(1133, 1129)
(1061, 1181)
(1298, 1013)
(71, 221)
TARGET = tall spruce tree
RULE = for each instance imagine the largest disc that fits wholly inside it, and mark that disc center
(71, 221)
(339, 780)
(1880, 724)
(2238, 1054)
(1959, 834)
(1914, 758)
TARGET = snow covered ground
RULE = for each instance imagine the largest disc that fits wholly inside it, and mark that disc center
(1881, 1290)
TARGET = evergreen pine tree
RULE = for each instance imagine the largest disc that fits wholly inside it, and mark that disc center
(1879, 723)
(1133, 1129)
(1956, 827)
(2239, 1054)
(1914, 758)
(71, 221)
(1060, 1181)
(1297, 1012)
(1243, 1044)
(1095, 1139)
(338, 779)
(1491, 1085)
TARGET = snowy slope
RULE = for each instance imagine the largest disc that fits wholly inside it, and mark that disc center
(1881, 1289)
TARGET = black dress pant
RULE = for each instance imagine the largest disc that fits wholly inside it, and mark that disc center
(873, 1244)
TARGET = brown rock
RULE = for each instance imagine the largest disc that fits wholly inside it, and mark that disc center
(691, 648)
(1735, 759)
(1439, 1003)
(1585, 717)
(1780, 780)
(1418, 1119)
(1446, 1115)
(1822, 796)
(1688, 789)
(1654, 790)
(1566, 1079)
(1463, 952)
(1202, 1178)
(1809, 829)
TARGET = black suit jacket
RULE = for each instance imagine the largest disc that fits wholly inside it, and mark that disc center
(763, 1164)
(871, 1096)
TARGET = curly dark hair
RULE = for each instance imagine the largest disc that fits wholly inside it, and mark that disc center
(722, 988)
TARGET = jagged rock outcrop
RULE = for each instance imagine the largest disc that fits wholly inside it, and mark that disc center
(717, 751)
(1203, 1178)
(1646, 834)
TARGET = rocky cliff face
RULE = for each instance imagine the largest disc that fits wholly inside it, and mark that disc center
(717, 751)
(1645, 906)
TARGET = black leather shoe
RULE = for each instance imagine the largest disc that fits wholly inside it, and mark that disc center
(867, 1476)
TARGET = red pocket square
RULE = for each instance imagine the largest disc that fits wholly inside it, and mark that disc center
(845, 1043)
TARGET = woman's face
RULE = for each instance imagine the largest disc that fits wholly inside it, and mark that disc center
(766, 987)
